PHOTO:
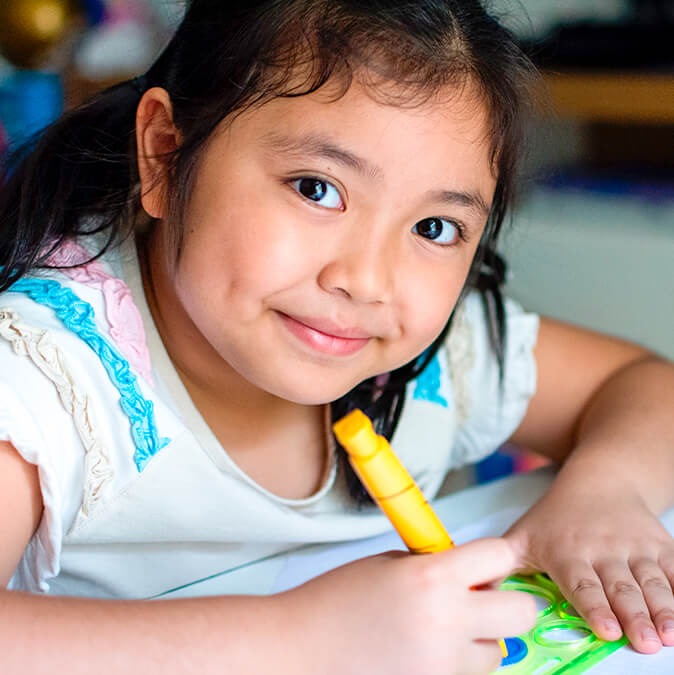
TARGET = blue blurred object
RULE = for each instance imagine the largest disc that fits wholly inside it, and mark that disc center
(94, 11)
(653, 185)
(517, 651)
(4, 142)
(29, 101)
(497, 465)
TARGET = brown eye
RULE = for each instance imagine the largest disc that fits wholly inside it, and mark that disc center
(438, 230)
(312, 189)
(319, 191)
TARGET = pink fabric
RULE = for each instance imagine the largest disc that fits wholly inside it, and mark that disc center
(381, 380)
(126, 324)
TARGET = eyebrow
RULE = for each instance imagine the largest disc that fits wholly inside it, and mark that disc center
(471, 200)
(320, 146)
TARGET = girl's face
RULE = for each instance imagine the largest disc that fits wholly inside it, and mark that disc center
(326, 241)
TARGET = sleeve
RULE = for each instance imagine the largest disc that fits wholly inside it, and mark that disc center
(488, 409)
(35, 422)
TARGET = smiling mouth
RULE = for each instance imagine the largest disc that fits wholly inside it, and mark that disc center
(344, 343)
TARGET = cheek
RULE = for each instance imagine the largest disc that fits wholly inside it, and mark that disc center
(234, 262)
(427, 316)
(429, 299)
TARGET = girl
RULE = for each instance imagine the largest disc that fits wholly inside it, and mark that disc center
(295, 213)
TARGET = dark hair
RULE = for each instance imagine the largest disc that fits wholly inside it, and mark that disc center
(80, 177)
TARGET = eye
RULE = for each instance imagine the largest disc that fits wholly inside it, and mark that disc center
(439, 230)
(319, 191)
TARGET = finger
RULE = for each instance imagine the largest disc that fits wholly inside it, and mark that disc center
(501, 614)
(628, 603)
(482, 561)
(581, 586)
(657, 593)
(484, 657)
(666, 561)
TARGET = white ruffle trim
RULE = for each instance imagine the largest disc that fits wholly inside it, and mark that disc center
(28, 341)
(460, 349)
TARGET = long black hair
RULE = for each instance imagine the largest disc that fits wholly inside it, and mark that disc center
(80, 177)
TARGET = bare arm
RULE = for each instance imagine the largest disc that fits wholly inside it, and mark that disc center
(603, 402)
(207, 635)
(604, 408)
(103, 636)
(20, 508)
(336, 624)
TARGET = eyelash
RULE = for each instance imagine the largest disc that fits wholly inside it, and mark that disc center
(294, 184)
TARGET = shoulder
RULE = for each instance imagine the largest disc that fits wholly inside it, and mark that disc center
(73, 398)
(471, 356)
(74, 356)
(84, 306)
(490, 399)
(50, 323)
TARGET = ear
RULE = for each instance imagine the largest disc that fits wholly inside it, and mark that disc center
(156, 138)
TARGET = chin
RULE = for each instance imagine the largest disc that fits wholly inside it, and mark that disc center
(314, 392)
(313, 398)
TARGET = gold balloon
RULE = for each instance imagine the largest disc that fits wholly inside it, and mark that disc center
(29, 28)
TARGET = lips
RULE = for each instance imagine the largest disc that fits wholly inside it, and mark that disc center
(324, 336)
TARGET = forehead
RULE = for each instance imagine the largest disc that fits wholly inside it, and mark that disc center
(447, 134)
(458, 112)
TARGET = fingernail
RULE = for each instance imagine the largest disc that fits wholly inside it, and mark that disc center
(611, 625)
(650, 635)
(668, 626)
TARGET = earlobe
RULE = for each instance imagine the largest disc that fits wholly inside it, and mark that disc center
(157, 138)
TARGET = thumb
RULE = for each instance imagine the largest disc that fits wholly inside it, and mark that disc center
(483, 561)
(518, 540)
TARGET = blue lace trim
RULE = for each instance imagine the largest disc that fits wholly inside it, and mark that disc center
(78, 316)
(428, 384)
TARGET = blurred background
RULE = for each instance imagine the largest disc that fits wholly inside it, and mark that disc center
(592, 238)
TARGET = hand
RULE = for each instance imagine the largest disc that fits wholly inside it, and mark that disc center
(398, 613)
(611, 558)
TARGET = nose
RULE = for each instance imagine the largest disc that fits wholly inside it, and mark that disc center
(362, 269)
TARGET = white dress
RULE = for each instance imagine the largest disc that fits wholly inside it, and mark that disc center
(139, 496)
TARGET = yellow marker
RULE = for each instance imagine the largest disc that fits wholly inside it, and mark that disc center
(392, 487)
